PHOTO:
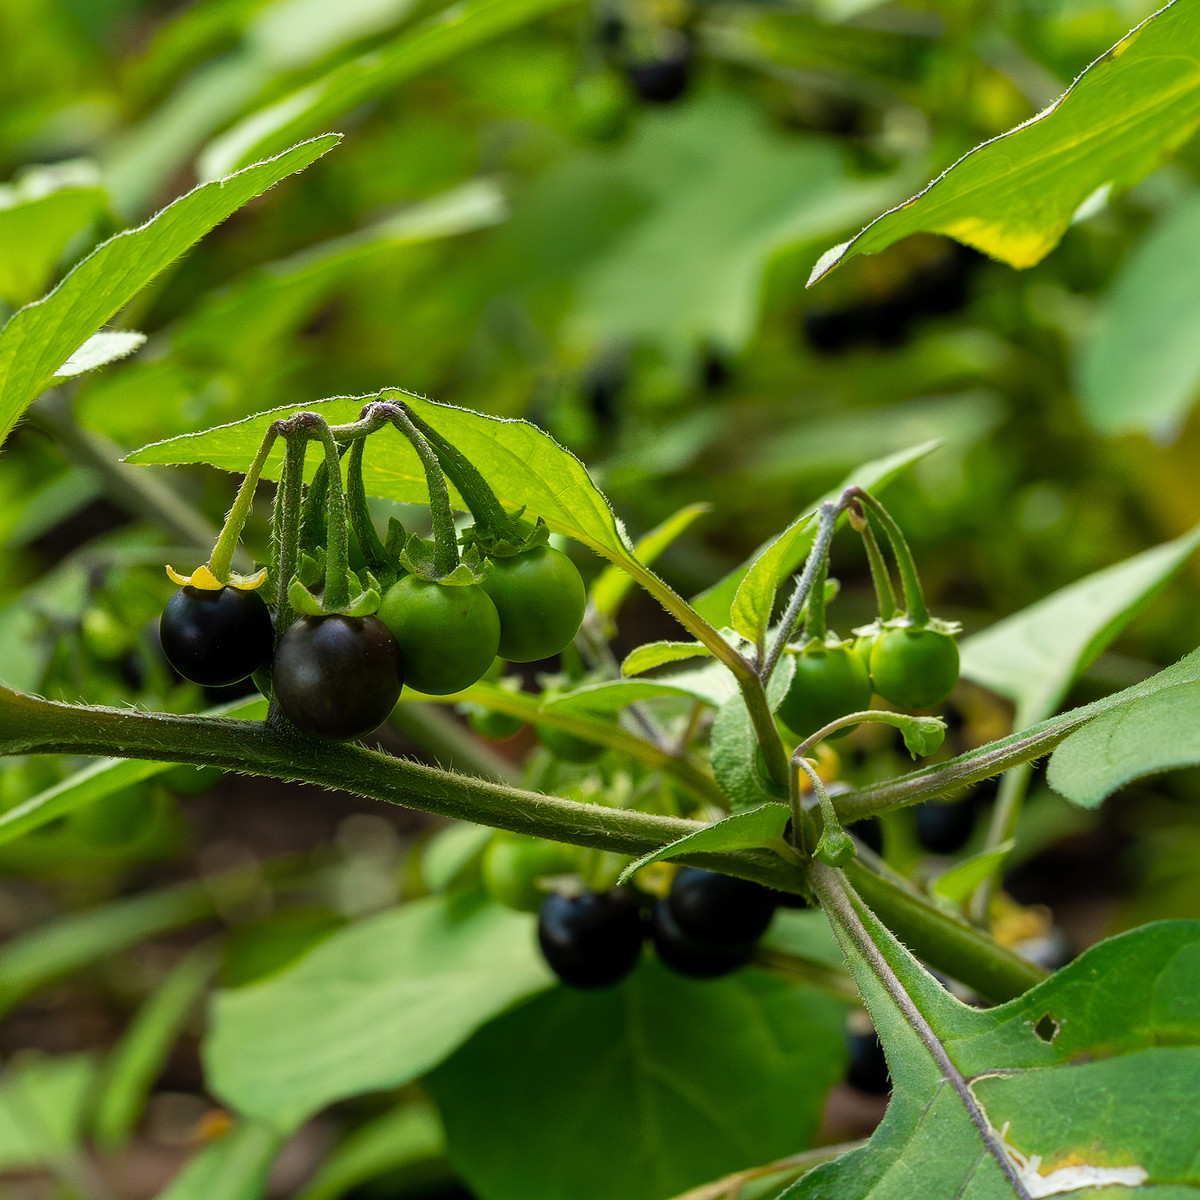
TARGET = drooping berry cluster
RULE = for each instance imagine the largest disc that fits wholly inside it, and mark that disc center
(706, 926)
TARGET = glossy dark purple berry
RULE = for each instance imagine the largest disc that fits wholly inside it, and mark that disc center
(337, 677)
(720, 908)
(592, 940)
(692, 956)
(215, 637)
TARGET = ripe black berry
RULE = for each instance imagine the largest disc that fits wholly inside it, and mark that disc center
(694, 956)
(337, 677)
(591, 940)
(719, 908)
(216, 637)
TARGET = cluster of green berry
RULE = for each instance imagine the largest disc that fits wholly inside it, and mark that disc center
(339, 657)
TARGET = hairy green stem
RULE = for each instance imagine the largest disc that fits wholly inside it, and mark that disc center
(337, 549)
(490, 515)
(221, 558)
(880, 576)
(285, 529)
(360, 514)
(914, 596)
(827, 518)
(445, 536)
(30, 725)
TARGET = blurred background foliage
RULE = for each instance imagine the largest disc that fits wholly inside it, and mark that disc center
(600, 217)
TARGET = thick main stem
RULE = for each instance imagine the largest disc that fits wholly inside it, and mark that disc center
(30, 725)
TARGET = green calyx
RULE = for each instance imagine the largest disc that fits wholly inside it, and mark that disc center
(309, 590)
(420, 557)
(523, 536)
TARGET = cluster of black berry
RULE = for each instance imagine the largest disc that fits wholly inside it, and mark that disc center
(708, 925)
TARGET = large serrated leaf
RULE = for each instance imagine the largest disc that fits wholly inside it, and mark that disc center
(640, 1090)
(1033, 656)
(1070, 1077)
(1013, 197)
(42, 336)
(525, 466)
(372, 1007)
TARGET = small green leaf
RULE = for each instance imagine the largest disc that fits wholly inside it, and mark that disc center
(1013, 197)
(99, 350)
(406, 1138)
(351, 84)
(641, 1090)
(341, 1021)
(1139, 368)
(612, 584)
(751, 829)
(715, 604)
(656, 654)
(1159, 732)
(712, 687)
(735, 752)
(42, 336)
(1033, 656)
(958, 884)
(42, 1106)
(755, 599)
(922, 735)
(233, 1167)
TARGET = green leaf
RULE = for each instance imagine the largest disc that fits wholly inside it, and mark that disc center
(1068, 1075)
(372, 1007)
(47, 952)
(234, 1167)
(735, 753)
(136, 1060)
(1159, 732)
(612, 585)
(755, 828)
(710, 687)
(441, 37)
(715, 604)
(41, 337)
(958, 884)
(39, 214)
(526, 467)
(405, 1142)
(1013, 197)
(712, 173)
(1034, 656)
(755, 599)
(101, 779)
(657, 654)
(42, 1105)
(639, 1090)
(1139, 369)
(99, 350)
